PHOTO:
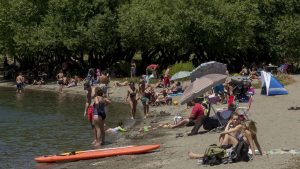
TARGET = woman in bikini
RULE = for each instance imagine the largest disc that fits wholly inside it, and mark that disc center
(100, 115)
(132, 98)
(232, 131)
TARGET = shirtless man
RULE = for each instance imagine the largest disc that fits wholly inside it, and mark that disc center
(20, 83)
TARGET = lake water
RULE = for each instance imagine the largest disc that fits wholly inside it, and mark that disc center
(38, 123)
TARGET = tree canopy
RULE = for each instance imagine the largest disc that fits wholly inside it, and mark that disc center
(162, 31)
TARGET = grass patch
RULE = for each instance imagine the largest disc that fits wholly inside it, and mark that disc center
(256, 85)
(285, 79)
(181, 66)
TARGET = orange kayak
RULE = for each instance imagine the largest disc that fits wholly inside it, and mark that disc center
(99, 153)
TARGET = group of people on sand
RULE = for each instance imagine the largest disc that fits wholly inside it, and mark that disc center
(20, 82)
(148, 95)
(239, 129)
(65, 81)
(250, 73)
(94, 78)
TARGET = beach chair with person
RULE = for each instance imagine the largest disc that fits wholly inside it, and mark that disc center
(283, 68)
(216, 122)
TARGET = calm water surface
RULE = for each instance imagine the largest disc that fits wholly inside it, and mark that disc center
(39, 123)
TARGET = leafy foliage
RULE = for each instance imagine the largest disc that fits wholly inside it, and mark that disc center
(160, 31)
(181, 66)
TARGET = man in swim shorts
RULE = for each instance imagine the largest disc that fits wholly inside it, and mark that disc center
(20, 82)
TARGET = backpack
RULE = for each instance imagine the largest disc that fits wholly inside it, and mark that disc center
(213, 155)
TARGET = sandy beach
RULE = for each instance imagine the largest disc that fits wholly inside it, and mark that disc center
(278, 128)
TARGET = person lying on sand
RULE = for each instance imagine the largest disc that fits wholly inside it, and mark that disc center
(115, 130)
(119, 84)
(72, 82)
(119, 128)
(38, 82)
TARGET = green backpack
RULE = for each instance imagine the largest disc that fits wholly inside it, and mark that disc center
(213, 155)
(214, 150)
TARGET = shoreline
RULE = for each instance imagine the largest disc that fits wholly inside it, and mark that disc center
(277, 128)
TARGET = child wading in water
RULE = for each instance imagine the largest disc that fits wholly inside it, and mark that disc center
(89, 104)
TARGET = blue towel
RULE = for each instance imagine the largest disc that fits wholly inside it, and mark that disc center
(176, 94)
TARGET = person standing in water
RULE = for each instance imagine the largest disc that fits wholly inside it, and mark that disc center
(20, 82)
(132, 98)
(99, 115)
(89, 106)
(60, 80)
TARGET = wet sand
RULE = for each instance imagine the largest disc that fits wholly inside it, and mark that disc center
(277, 126)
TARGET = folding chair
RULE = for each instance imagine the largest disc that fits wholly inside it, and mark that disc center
(283, 68)
(217, 111)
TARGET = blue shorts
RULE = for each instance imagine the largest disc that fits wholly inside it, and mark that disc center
(145, 100)
(19, 86)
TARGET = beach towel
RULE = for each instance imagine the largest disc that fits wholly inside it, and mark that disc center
(175, 94)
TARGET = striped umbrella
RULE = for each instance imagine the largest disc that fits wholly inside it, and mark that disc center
(201, 85)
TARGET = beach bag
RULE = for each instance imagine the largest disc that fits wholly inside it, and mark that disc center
(213, 155)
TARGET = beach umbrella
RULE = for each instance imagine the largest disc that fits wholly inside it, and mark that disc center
(201, 85)
(211, 67)
(180, 75)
